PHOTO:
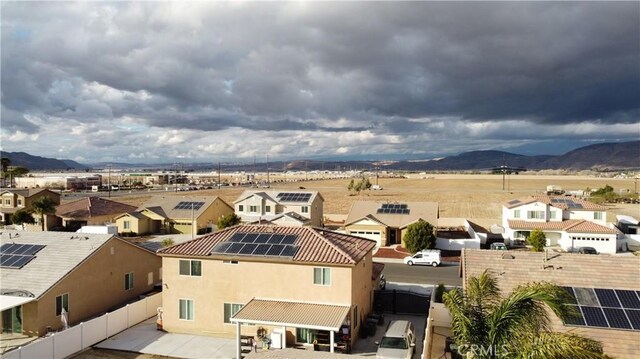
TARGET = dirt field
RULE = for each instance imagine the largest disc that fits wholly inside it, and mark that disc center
(468, 196)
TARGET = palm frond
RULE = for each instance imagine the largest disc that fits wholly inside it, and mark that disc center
(545, 345)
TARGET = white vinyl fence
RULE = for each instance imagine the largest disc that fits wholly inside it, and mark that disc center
(68, 342)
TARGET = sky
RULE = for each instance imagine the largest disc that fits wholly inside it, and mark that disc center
(151, 82)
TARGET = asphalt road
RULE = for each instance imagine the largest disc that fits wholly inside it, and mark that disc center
(402, 273)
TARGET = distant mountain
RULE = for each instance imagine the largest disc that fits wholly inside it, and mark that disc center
(600, 156)
(34, 163)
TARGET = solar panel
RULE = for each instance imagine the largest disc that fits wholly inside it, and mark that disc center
(616, 318)
(634, 318)
(289, 251)
(15, 261)
(586, 296)
(237, 237)
(189, 205)
(607, 298)
(248, 248)
(234, 248)
(513, 202)
(569, 290)
(276, 239)
(293, 197)
(289, 239)
(275, 250)
(577, 320)
(250, 238)
(594, 317)
(262, 238)
(261, 249)
(628, 299)
(25, 249)
(221, 247)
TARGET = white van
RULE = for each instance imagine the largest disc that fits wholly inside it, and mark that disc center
(429, 257)
(398, 342)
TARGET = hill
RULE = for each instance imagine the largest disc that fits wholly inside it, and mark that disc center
(36, 163)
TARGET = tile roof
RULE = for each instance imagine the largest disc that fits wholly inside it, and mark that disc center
(165, 206)
(296, 314)
(586, 205)
(570, 225)
(29, 192)
(427, 211)
(273, 195)
(92, 207)
(315, 245)
(62, 253)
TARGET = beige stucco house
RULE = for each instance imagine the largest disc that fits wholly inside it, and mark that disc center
(386, 222)
(86, 274)
(174, 214)
(90, 211)
(14, 200)
(253, 206)
(304, 282)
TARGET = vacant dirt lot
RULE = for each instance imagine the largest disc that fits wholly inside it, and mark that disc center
(468, 196)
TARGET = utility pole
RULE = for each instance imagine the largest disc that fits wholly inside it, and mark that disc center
(109, 188)
(268, 181)
(193, 225)
(219, 184)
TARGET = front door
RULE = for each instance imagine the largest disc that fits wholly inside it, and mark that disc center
(392, 236)
(12, 320)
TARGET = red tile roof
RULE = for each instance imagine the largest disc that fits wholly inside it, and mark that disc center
(315, 245)
(92, 207)
(570, 225)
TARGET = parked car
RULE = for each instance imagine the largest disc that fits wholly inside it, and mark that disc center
(430, 257)
(498, 246)
(398, 341)
(587, 250)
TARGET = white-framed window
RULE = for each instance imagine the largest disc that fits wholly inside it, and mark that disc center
(230, 309)
(62, 301)
(186, 309)
(128, 281)
(240, 208)
(322, 276)
(7, 202)
(304, 209)
(229, 262)
(552, 214)
(20, 202)
(598, 215)
(516, 213)
(191, 268)
(126, 224)
(267, 209)
(253, 209)
(535, 214)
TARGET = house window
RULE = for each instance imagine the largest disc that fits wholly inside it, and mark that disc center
(230, 262)
(597, 215)
(191, 268)
(240, 208)
(552, 215)
(62, 301)
(230, 309)
(322, 276)
(516, 213)
(127, 224)
(186, 309)
(253, 208)
(128, 281)
(535, 214)
(7, 202)
(20, 202)
(267, 209)
(305, 336)
(305, 209)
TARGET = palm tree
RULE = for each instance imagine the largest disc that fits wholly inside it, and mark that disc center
(486, 325)
(43, 206)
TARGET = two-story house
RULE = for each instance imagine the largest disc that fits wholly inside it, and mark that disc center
(255, 206)
(566, 221)
(303, 282)
(90, 211)
(14, 200)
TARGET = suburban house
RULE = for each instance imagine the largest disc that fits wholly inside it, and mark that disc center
(606, 290)
(566, 221)
(90, 211)
(86, 274)
(14, 200)
(302, 282)
(386, 222)
(174, 214)
(254, 206)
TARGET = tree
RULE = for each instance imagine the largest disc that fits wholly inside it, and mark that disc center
(6, 162)
(21, 217)
(361, 185)
(17, 171)
(486, 325)
(228, 221)
(43, 206)
(537, 240)
(351, 185)
(419, 236)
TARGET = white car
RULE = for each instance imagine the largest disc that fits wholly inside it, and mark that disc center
(427, 257)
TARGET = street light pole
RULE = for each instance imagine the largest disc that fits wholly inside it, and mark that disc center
(192, 221)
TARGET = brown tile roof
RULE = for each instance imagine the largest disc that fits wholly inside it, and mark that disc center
(92, 207)
(427, 211)
(570, 225)
(315, 245)
(586, 205)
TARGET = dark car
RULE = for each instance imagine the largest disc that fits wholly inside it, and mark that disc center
(587, 250)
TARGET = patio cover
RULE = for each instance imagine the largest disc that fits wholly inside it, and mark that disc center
(292, 314)
(10, 301)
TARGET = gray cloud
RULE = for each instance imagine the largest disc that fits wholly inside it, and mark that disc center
(391, 73)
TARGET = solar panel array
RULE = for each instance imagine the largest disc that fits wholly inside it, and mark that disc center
(188, 205)
(16, 256)
(259, 244)
(568, 201)
(389, 208)
(605, 308)
(515, 201)
(293, 197)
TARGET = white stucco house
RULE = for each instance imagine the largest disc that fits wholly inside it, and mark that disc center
(295, 208)
(566, 221)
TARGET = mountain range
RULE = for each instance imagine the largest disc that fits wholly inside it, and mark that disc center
(601, 157)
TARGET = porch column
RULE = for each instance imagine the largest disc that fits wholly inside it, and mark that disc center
(238, 342)
(331, 341)
(284, 337)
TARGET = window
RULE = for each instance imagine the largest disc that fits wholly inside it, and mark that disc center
(535, 214)
(127, 224)
(240, 208)
(253, 208)
(305, 209)
(230, 262)
(267, 209)
(305, 335)
(597, 215)
(7, 202)
(62, 301)
(19, 201)
(516, 213)
(230, 309)
(191, 268)
(322, 276)
(552, 215)
(186, 309)
(128, 281)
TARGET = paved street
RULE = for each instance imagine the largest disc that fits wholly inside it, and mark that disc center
(402, 273)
